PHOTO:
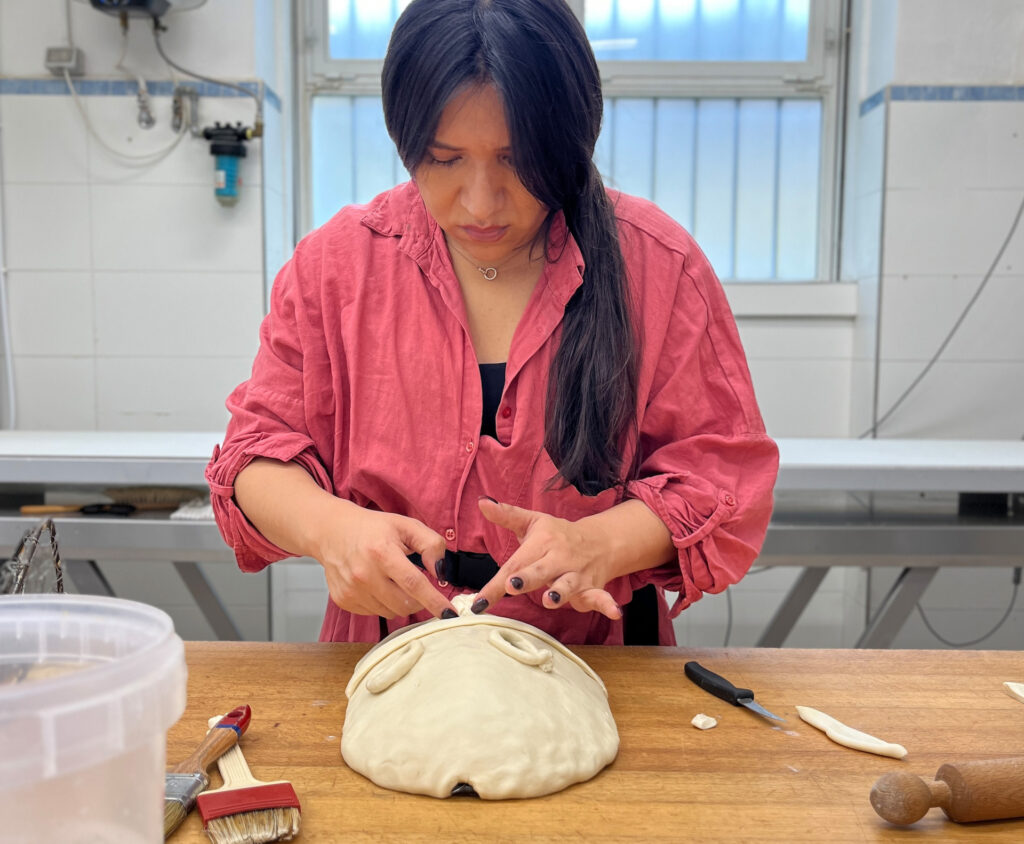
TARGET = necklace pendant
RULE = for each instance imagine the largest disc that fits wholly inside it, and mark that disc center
(490, 273)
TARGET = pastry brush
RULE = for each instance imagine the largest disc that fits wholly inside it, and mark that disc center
(186, 779)
(246, 810)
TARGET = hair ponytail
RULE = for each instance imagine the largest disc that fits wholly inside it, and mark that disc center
(591, 402)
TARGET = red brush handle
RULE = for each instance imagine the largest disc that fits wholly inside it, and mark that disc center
(218, 741)
(275, 795)
(237, 719)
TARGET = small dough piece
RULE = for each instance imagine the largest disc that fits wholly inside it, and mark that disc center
(1015, 690)
(849, 737)
(464, 604)
(703, 722)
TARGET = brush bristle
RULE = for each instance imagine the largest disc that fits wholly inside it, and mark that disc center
(257, 827)
(174, 814)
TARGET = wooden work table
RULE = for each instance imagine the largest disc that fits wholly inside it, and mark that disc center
(745, 780)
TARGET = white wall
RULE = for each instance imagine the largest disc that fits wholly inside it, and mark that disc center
(135, 297)
(936, 166)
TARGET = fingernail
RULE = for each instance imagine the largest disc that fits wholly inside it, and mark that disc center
(480, 605)
(447, 613)
(495, 500)
(554, 596)
(440, 567)
(515, 582)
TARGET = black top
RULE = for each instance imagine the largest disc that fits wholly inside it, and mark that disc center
(492, 379)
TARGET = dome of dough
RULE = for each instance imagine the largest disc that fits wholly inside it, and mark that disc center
(479, 700)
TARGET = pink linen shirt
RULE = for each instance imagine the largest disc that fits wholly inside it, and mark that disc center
(366, 376)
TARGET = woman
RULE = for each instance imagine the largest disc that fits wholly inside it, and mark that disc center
(498, 377)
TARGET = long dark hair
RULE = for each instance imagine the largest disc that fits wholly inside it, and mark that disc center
(536, 53)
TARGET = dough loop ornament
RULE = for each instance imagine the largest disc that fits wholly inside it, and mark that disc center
(478, 704)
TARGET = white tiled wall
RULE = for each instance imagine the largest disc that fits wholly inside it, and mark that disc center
(944, 177)
(135, 297)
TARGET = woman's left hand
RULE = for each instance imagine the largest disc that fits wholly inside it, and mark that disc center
(570, 561)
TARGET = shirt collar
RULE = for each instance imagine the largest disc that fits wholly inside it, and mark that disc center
(401, 213)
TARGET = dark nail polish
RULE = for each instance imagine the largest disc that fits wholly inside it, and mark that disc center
(554, 596)
(448, 613)
(516, 582)
(439, 568)
(495, 500)
(480, 605)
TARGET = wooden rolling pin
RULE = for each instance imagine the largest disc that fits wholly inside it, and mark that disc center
(986, 790)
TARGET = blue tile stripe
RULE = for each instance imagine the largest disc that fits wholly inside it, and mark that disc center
(127, 87)
(944, 93)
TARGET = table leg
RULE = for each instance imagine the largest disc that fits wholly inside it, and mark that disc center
(88, 578)
(896, 608)
(207, 601)
(792, 607)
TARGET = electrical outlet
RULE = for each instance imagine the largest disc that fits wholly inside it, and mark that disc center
(59, 59)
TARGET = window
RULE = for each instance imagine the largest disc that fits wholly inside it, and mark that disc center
(724, 112)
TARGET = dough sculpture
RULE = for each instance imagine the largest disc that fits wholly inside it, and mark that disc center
(476, 704)
(849, 737)
(1015, 690)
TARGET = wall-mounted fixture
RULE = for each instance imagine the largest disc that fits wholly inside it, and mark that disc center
(227, 142)
(145, 8)
(227, 145)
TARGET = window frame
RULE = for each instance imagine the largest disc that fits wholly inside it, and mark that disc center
(819, 77)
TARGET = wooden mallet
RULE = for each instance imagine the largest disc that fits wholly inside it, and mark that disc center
(985, 790)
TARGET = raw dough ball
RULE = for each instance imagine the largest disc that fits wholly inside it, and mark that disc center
(482, 700)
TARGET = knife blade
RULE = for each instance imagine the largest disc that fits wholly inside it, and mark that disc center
(722, 688)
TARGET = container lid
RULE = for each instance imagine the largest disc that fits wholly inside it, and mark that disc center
(83, 679)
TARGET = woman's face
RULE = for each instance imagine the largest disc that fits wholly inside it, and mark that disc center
(468, 183)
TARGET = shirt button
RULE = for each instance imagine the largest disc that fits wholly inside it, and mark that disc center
(729, 500)
(450, 534)
(506, 412)
(469, 446)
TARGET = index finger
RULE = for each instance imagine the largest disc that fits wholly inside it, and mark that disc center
(494, 590)
(414, 582)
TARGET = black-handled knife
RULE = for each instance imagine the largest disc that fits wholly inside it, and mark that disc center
(722, 688)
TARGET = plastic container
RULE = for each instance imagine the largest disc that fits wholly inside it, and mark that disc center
(89, 687)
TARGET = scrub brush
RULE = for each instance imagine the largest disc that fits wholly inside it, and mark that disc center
(119, 501)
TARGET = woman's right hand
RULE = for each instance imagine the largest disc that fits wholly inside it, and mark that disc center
(364, 555)
(363, 552)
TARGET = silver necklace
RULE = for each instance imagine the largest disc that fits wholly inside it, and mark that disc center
(489, 273)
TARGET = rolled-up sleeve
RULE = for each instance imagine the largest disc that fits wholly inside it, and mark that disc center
(707, 466)
(268, 419)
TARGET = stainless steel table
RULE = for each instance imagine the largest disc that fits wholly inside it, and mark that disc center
(813, 533)
(32, 462)
(905, 516)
